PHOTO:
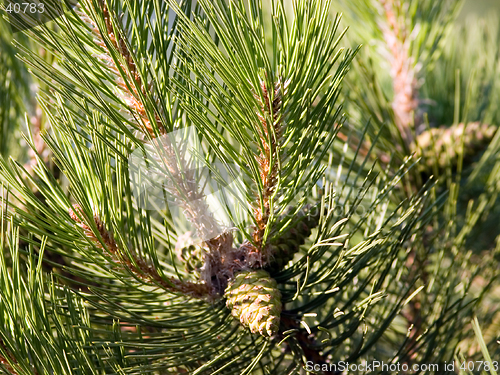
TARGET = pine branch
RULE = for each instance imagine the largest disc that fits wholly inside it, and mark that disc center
(216, 87)
(403, 69)
(183, 183)
(271, 133)
(137, 265)
(133, 89)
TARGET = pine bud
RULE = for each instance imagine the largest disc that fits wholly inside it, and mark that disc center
(254, 299)
(283, 249)
(190, 253)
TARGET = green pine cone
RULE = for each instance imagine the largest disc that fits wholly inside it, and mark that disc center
(254, 299)
(190, 253)
(283, 248)
(438, 145)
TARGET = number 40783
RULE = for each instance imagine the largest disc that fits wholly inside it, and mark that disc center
(25, 8)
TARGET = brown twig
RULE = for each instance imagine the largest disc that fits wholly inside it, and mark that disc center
(182, 180)
(131, 91)
(136, 265)
(270, 133)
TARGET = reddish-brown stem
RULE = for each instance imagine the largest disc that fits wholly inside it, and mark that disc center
(183, 182)
(136, 265)
(403, 69)
(270, 133)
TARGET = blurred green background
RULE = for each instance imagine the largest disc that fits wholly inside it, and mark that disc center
(480, 7)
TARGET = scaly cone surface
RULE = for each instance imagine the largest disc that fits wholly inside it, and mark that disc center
(254, 298)
(438, 145)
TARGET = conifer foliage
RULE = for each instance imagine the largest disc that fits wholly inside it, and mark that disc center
(329, 248)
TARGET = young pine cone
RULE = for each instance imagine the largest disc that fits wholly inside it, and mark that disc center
(254, 298)
(438, 145)
(191, 254)
(283, 249)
